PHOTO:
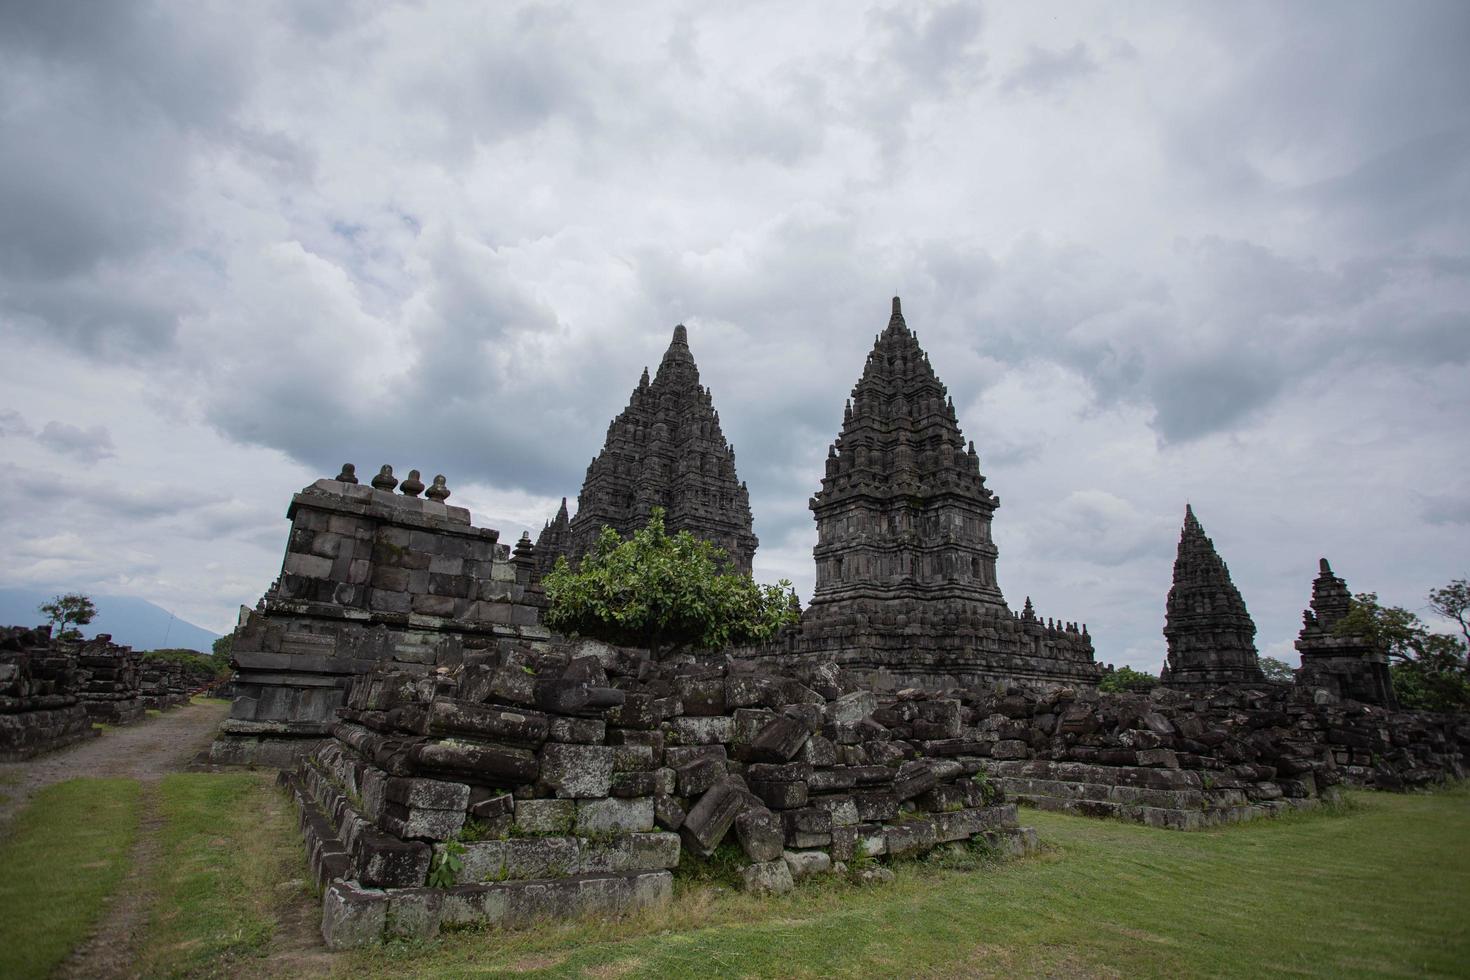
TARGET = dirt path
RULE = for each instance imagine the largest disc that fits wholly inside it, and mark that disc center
(146, 751)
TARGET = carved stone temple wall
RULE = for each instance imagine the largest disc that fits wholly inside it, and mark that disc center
(665, 450)
(369, 576)
(1210, 634)
(1350, 666)
(906, 590)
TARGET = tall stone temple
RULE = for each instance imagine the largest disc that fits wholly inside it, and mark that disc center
(1211, 635)
(665, 450)
(1350, 666)
(906, 591)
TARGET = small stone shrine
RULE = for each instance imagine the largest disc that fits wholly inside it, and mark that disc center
(369, 575)
(1210, 634)
(906, 591)
(1350, 666)
(665, 450)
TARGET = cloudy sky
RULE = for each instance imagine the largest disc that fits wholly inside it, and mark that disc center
(1211, 252)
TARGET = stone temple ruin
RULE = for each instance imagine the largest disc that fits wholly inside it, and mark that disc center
(457, 763)
(1211, 635)
(1349, 666)
(906, 591)
(664, 450)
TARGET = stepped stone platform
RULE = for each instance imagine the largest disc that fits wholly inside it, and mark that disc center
(1175, 799)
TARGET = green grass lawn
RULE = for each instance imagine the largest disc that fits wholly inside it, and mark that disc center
(228, 843)
(1378, 891)
(65, 853)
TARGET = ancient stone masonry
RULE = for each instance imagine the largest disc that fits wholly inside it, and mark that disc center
(1351, 666)
(109, 681)
(1190, 759)
(39, 707)
(665, 450)
(369, 576)
(166, 683)
(1211, 635)
(568, 778)
(554, 541)
(906, 590)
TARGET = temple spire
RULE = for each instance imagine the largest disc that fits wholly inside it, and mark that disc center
(1210, 634)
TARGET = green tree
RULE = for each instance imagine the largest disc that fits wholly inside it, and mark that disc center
(223, 647)
(1453, 602)
(666, 593)
(65, 611)
(1277, 670)
(1121, 680)
(1429, 670)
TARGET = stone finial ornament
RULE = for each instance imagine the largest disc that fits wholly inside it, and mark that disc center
(413, 486)
(438, 491)
(348, 474)
(385, 480)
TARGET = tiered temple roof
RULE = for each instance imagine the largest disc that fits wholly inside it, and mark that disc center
(665, 450)
(1211, 636)
(906, 587)
(1352, 665)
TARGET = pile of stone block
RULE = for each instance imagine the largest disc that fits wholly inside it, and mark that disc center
(109, 681)
(39, 709)
(1186, 760)
(565, 778)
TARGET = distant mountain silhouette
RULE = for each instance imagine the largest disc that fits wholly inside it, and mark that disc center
(131, 621)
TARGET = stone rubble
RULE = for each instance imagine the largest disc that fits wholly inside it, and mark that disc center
(581, 789)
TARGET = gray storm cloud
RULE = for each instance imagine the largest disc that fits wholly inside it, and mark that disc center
(1212, 252)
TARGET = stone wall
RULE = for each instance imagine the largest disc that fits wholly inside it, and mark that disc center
(571, 778)
(369, 576)
(39, 708)
(109, 681)
(1190, 759)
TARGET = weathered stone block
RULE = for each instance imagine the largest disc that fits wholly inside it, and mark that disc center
(581, 731)
(779, 740)
(698, 776)
(431, 794)
(545, 816)
(353, 916)
(910, 837)
(804, 864)
(780, 796)
(414, 913)
(761, 834)
(704, 731)
(615, 816)
(577, 771)
(630, 852)
(667, 812)
(708, 821)
(851, 708)
(520, 858)
(770, 878)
